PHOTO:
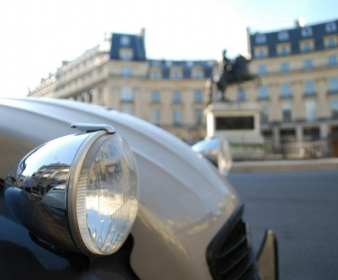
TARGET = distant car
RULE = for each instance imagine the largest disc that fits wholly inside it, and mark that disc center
(158, 210)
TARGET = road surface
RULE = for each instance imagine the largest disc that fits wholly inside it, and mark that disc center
(302, 209)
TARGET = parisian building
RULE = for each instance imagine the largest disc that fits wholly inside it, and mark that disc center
(298, 67)
(298, 93)
(118, 75)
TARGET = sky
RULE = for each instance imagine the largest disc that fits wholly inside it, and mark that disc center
(37, 35)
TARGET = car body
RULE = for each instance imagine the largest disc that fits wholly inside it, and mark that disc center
(187, 212)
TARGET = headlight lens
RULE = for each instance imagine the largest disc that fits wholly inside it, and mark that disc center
(106, 203)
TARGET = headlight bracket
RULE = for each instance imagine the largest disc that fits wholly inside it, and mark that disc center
(87, 127)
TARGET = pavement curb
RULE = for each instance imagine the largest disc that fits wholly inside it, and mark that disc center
(285, 165)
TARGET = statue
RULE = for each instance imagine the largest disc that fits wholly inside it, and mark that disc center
(235, 72)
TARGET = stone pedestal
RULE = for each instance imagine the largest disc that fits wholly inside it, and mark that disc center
(239, 123)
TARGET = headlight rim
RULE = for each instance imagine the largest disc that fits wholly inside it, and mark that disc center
(73, 191)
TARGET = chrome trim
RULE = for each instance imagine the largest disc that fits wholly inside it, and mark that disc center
(88, 127)
(217, 151)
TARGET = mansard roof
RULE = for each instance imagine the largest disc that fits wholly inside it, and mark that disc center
(293, 36)
(185, 65)
(133, 42)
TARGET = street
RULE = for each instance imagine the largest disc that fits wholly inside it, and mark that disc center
(301, 207)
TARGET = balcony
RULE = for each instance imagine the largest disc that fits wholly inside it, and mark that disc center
(309, 94)
(286, 96)
(263, 98)
(332, 92)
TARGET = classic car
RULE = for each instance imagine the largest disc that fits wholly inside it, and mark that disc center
(92, 193)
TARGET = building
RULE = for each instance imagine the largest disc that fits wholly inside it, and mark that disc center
(299, 74)
(298, 94)
(117, 74)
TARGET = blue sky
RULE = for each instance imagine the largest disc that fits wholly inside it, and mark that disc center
(37, 35)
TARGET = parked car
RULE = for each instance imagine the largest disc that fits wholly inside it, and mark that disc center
(156, 210)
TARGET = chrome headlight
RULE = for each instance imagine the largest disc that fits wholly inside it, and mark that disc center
(217, 151)
(78, 192)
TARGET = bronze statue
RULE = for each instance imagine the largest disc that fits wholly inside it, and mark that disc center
(235, 72)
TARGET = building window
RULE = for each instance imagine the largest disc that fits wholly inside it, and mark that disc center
(309, 88)
(156, 115)
(331, 43)
(287, 115)
(240, 94)
(286, 90)
(307, 47)
(100, 97)
(198, 116)
(263, 93)
(218, 96)
(83, 97)
(334, 108)
(177, 117)
(198, 96)
(190, 63)
(155, 96)
(197, 74)
(90, 96)
(126, 54)
(333, 85)
(331, 27)
(332, 60)
(310, 109)
(308, 64)
(260, 38)
(127, 110)
(176, 74)
(284, 51)
(307, 32)
(126, 95)
(176, 96)
(261, 70)
(125, 40)
(265, 114)
(283, 36)
(155, 74)
(284, 67)
(261, 53)
(126, 72)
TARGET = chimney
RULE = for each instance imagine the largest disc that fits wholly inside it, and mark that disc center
(107, 36)
(143, 32)
(300, 22)
(248, 42)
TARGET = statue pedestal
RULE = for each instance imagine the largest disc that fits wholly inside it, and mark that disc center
(239, 123)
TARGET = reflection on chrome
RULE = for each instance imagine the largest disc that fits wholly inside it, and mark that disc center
(35, 191)
(56, 196)
(44, 172)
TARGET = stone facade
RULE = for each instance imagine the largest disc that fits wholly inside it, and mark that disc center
(299, 74)
(170, 94)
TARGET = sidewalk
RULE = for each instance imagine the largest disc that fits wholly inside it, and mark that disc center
(285, 165)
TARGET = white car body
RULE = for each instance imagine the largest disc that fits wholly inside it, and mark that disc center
(184, 201)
